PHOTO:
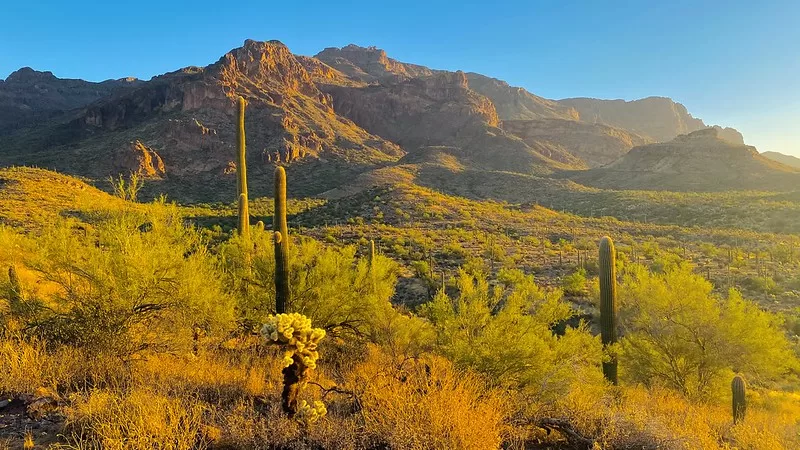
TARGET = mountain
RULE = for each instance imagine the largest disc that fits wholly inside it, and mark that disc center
(657, 118)
(416, 108)
(28, 95)
(698, 161)
(788, 160)
(350, 113)
(184, 121)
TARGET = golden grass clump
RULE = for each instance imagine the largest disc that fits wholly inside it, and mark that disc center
(427, 403)
(137, 419)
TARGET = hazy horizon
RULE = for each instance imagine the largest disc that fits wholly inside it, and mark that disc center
(728, 63)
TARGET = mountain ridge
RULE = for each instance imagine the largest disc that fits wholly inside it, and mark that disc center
(347, 111)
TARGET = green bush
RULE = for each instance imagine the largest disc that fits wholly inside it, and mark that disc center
(681, 335)
(137, 282)
(575, 283)
(506, 333)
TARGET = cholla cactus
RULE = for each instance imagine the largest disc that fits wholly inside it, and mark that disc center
(294, 331)
(308, 414)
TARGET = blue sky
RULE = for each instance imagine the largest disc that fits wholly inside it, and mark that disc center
(734, 63)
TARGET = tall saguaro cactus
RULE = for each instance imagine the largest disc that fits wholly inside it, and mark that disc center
(608, 303)
(281, 229)
(241, 173)
(738, 389)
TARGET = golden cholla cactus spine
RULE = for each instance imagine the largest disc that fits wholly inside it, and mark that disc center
(608, 304)
(738, 390)
(281, 229)
(241, 171)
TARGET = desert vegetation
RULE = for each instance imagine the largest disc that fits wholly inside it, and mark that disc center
(130, 326)
(398, 317)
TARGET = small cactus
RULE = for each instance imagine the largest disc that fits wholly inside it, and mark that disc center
(738, 389)
(608, 303)
(16, 287)
(241, 173)
(260, 226)
(281, 229)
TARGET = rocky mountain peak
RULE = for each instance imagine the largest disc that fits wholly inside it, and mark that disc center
(266, 65)
(26, 75)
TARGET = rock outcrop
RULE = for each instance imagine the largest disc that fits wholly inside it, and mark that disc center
(188, 115)
(369, 64)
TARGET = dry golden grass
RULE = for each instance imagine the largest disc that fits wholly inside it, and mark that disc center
(635, 417)
(230, 399)
(427, 403)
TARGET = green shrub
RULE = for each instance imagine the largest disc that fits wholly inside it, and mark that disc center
(575, 283)
(138, 282)
(505, 332)
(681, 335)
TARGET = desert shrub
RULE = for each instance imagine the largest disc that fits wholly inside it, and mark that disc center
(135, 282)
(761, 284)
(331, 286)
(505, 332)
(659, 418)
(677, 333)
(575, 283)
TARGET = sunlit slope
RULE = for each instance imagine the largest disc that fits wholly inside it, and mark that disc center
(30, 197)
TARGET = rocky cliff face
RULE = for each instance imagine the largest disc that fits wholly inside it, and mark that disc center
(698, 161)
(658, 118)
(28, 95)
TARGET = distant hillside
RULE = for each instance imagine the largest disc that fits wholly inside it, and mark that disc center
(28, 95)
(658, 118)
(592, 144)
(699, 161)
(788, 160)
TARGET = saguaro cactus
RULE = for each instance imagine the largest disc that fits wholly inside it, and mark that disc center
(608, 303)
(241, 172)
(371, 254)
(281, 229)
(738, 389)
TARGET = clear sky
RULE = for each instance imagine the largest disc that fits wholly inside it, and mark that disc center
(733, 63)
